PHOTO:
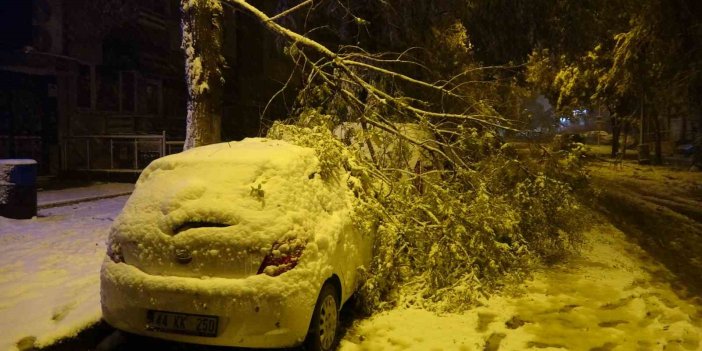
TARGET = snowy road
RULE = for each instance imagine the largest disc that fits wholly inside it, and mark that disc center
(49, 272)
(612, 297)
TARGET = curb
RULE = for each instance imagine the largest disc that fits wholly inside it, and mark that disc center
(79, 200)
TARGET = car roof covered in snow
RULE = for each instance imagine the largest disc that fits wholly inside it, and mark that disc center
(261, 188)
(248, 151)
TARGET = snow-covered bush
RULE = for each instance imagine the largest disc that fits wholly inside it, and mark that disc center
(448, 234)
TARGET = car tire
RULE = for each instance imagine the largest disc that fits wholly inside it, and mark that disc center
(323, 334)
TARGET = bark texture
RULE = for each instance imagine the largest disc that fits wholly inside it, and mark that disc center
(202, 43)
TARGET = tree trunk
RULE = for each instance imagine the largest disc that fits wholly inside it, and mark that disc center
(658, 157)
(697, 134)
(616, 129)
(202, 43)
(625, 128)
(683, 131)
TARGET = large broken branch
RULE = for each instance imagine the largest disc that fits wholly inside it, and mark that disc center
(291, 10)
(345, 64)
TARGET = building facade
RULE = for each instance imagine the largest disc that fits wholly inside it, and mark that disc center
(100, 84)
(76, 68)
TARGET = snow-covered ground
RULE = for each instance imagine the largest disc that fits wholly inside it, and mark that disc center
(49, 272)
(613, 297)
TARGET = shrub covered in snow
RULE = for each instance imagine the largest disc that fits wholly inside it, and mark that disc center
(449, 228)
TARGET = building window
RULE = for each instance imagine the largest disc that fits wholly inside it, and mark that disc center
(149, 96)
(107, 89)
(83, 87)
(176, 95)
(127, 91)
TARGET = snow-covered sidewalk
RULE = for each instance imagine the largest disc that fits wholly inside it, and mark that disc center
(49, 271)
(613, 297)
(53, 198)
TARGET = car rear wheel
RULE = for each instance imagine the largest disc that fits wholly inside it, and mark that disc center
(324, 328)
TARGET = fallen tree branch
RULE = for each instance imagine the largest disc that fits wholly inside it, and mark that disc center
(291, 10)
(344, 66)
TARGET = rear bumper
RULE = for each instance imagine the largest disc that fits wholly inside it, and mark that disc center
(258, 311)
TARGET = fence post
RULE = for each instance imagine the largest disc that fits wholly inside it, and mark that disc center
(64, 162)
(112, 154)
(136, 153)
(163, 143)
(87, 152)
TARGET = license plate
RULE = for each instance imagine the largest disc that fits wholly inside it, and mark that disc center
(182, 323)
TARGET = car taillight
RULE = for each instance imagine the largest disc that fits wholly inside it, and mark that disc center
(283, 257)
(114, 251)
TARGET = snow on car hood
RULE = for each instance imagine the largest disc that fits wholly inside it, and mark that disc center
(227, 204)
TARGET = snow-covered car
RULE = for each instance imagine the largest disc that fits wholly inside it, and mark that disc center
(237, 244)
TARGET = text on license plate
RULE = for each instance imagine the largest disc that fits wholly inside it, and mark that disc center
(182, 323)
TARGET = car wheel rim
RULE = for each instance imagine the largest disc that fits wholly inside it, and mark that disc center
(327, 322)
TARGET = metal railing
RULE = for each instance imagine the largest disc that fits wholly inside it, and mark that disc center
(121, 153)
